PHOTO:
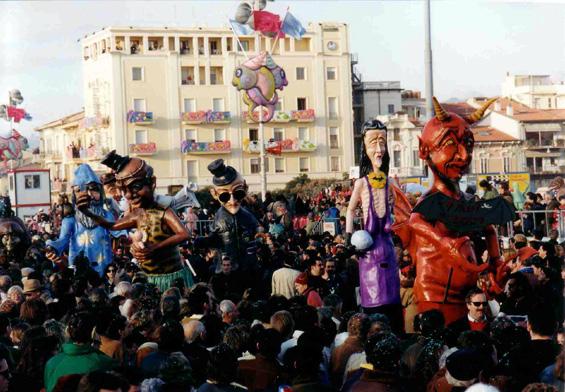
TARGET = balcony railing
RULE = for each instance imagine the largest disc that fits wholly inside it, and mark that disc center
(143, 148)
(307, 115)
(193, 147)
(140, 117)
(278, 147)
(203, 117)
(301, 116)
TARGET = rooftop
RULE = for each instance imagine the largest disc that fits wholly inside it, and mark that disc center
(490, 134)
(524, 113)
(71, 118)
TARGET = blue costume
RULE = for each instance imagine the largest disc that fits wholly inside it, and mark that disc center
(80, 234)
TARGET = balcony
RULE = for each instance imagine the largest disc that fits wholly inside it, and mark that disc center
(303, 116)
(143, 148)
(140, 118)
(193, 147)
(206, 117)
(277, 147)
(94, 122)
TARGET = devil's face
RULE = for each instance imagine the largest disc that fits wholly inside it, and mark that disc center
(448, 147)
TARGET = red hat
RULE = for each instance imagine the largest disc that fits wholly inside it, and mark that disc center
(302, 278)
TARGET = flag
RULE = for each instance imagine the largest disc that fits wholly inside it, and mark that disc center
(240, 29)
(292, 26)
(15, 113)
(267, 23)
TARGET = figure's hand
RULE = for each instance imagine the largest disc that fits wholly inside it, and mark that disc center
(142, 253)
(55, 259)
(83, 204)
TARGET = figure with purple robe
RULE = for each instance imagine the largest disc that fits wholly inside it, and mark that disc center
(379, 287)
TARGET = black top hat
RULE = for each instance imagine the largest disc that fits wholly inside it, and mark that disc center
(223, 175)
(115, 161)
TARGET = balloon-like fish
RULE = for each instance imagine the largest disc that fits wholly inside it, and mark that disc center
(260, 78)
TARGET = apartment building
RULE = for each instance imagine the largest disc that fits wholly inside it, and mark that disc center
(165, 94)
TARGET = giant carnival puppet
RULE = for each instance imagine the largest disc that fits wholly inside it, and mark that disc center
(234, 227)
(79, 232)
(14, 236)
(447, 226)
(378, 271)
(158, 230)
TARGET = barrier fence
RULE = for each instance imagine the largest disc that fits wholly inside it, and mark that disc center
(528, 221)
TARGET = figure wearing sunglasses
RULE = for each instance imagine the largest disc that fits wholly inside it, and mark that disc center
(234, 226)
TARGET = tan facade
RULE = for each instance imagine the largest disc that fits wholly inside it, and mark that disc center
(166, 95)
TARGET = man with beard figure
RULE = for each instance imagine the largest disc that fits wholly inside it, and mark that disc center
(80, 233)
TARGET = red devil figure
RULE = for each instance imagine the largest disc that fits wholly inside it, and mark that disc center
(437, 232)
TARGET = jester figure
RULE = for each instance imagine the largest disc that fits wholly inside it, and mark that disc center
(444, 231)
(158, 230)
(79, 232)
(378, 271)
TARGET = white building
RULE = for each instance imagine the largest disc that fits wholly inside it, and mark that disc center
(534, 91)
(29, 190)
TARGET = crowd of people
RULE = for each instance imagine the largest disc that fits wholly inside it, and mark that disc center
(291, 322)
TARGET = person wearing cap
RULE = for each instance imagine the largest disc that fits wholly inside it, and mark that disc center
(32, 288)
(302, 287)
(81, 233)
(158, 230)
(234, 227)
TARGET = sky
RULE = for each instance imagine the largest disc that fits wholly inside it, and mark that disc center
(474, 43)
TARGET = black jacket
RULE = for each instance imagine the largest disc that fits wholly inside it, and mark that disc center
(234, 235)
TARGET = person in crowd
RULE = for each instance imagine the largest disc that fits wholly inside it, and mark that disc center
(78, 356)
(488, 191)
(222, 371)
(303, 288)
(228, 283)
(476, 319)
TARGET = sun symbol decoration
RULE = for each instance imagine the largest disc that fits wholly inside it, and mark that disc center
(85, 239)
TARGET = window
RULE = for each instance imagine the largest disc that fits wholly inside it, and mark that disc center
(137, 73)
(191, 169)
(331, 73)
(334, 164)
(484, 165)
(140, 136)
(279, 105)
(396, 134)
(279, 165)
(255, 165)
(300, 73)
(507, 164)
(416, 158)
(391, 109)
(334, 137)
(304, 164)
(189, 105)
(32, 181)
(11, 183)
(278, 134)
(396, 157)
(139, 105)
(190, 134)
(332, 107)
(301, 103)
(219, 135)
(244, 45)
(253, 134)
(303, 134)
(218, 104)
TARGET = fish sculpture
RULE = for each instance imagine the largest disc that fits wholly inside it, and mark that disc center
(260, 78)
(12, 147)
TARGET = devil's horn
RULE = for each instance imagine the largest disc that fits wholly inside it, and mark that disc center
(478, 114)
(441, 114)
